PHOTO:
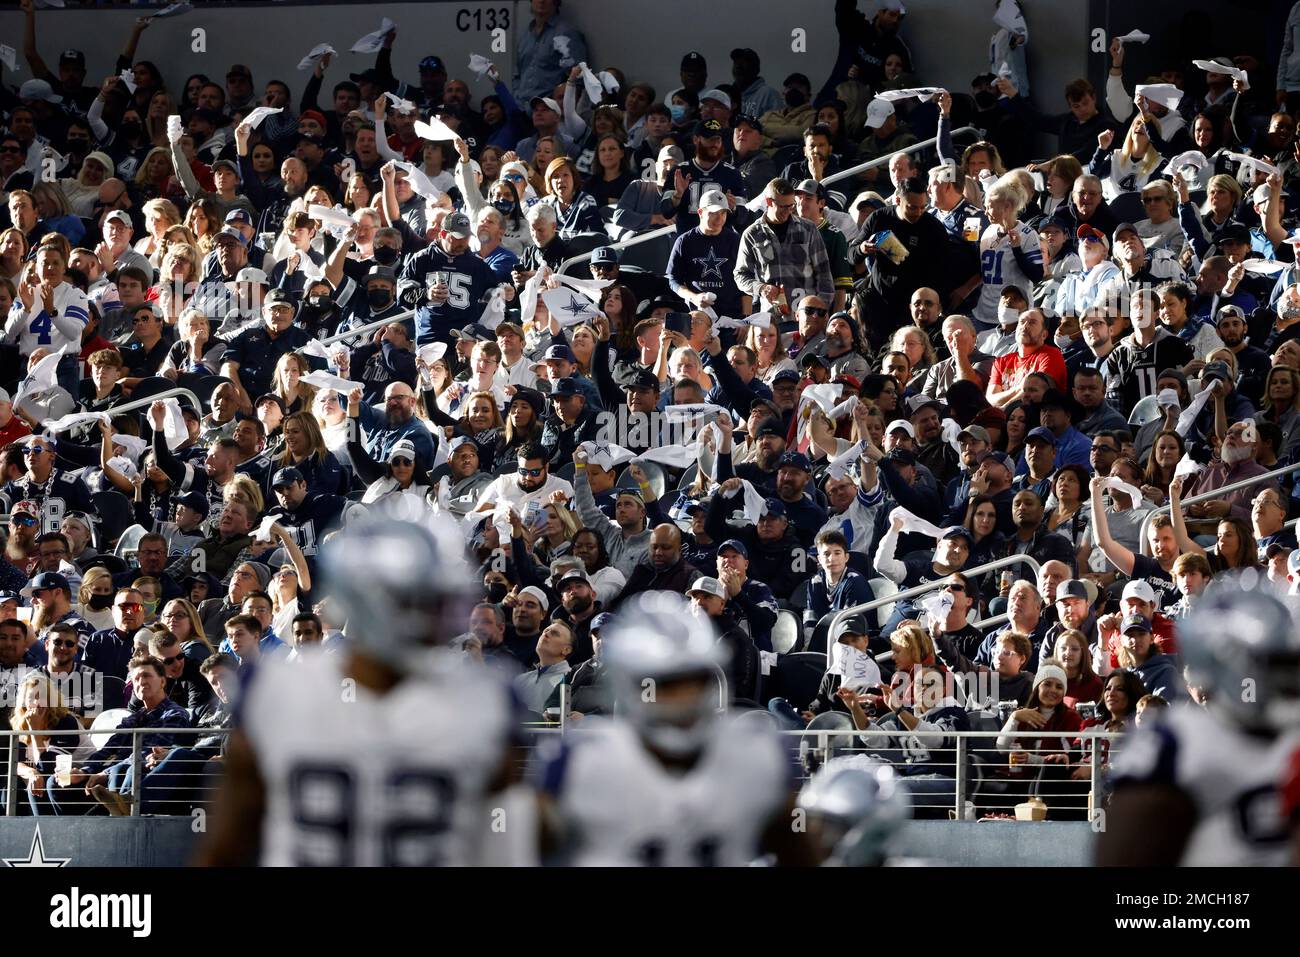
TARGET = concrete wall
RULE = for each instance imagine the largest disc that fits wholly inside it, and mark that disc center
(949, 39)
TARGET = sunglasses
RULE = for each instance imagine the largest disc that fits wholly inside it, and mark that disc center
(533, 473)
(35, 450)
(26, 521)
(173, 659)
(813, 311)
(403, 462)
(130, 606)
(63, 644)
(955, 587)
(10, 149)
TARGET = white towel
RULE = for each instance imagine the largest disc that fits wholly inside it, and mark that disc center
(1165, 94)
(432, 352)
(9, 57)
(674, 456)
(1119, 485)
(1009, 18)
(52, 426)
(1209, 66)
(316, 348)
(1135, 36)
(405, 107)
(826, 396)
(949, 434)
(255, 116)
(528, 299)
(1193, 409)
(839, 466)
(133, 444)
(43, 377)
(914, 523)
(1187, 466)
(323, 380)
(435, 129)
(923, 93)
(479, 64)
(331, 215)
(1254, 161)
(494, 313)
(318, 52)
(591, 288)
(844, 408)
(175, 431)
(420, 183)
(568, 308)
(607, 455)
(172, 10)
(374, 42)
(128, 79)
(263, 531)
(690, 414)
(597, 85)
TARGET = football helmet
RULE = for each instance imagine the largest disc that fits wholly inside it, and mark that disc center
(399, 584)
(1243, 648)
(654, 645)
(856, 805)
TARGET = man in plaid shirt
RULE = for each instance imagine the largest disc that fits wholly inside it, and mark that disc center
(782, 253)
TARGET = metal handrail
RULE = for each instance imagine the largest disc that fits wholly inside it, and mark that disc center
(168, 394)
(1143, 543)
(361, 330)
(836, 177)
(928, 587)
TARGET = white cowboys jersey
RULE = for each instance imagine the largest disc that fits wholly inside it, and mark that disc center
(1233, 779)
(358, 779)
(999, 268)
(620, 807)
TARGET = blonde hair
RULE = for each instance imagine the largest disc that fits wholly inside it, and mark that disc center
(52, 706)
(243, 489)
(89, 580)
(1007, 189)
(1222, 181)
(915, 640)
(196, 623)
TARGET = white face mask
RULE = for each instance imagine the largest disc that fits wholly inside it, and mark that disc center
(1008, 316)
(1062, 342)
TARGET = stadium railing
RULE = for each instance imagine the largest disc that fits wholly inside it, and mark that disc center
(969, 779)
(929, 587)
(664, 231)
(1145, 545)
(158, 397)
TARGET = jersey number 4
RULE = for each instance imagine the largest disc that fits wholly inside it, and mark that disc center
(40, 328)
(417, 803)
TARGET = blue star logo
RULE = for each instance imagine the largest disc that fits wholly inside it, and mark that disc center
(577, 306)
(710, 265)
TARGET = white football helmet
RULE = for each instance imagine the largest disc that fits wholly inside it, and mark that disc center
(857, 805)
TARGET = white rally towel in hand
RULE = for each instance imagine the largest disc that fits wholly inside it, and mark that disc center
(431, 353)
(323, 380)
(128, 79)
(44, 377)
(172, 10)
(331, 216)
(1261, 165)
(1193, 409)
(1193, 158)
(1187, 466)
(125, 466)
(591, 288)
(1264, 267)
(1165, 94)
(420, 183)
(1135, 36)
(826, 396)
(1009, 18)
(9, 57)
(52, 426)
(844, 408)
(858, 669)
(949, 434)
(922, 93)
(263, 531)
(318, 53)
(374, 42)
(839, 466)
(435, 129)
(690, 414)
(133, 444)
(532, 288)
(1119, 485)
(175, 129)
(674, 456)
(936, 605)
(405, 107)
(255, 116)
(494, 313)
(1005, 71)
(914, 523)
(175, 431)
(316, 348)
(561, 45)
(479, 64)
(596, 86)
(755, 504)
(607, 455)
(568, 308)
(1209, 66)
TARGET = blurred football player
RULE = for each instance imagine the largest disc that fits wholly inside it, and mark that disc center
(1204, 786)
(855, 807)
(668, 781)
(367, 758)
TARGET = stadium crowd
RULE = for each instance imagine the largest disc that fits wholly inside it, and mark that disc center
(832, 388)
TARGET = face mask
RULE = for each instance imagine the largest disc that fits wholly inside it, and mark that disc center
(320, 304)
(100, 602)
(496, 592)
(678, 112)
(1008, 315)
(1062, 341)
(378, 298)
(150, 608)
(503, 206)
(795, 98)
(484, 237)
(385, 255)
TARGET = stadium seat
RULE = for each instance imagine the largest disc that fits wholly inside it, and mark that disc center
(817, 640)
(129, 541)
(1127, 208)
(787, 633)
(883, 588)
(799, 676)
(115, 516)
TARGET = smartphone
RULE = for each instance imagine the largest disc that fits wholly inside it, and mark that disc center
(678, 322)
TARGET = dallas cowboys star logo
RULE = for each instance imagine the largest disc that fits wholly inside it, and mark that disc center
(710, 265)
(576, 306)
(36, 855)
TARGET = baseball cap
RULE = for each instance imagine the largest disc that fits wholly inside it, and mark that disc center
(600, 621)
(900, 425)
(769, 427)
(559, 351)
(753, 122)
(795, 460)
(286, 476)
(1230, 312)
(546, 101)
(641, 379)
(1001, 458)
(977, 432)
(238, 217)
(385, 273)
(38, 90)
(1139, 589)
(223, 164)
(918, 402)
(785, 375)
(457, 224)
(195, 501)
(458, 441)
(810, 187)
(48, 580)
(1072, 588)
(672, 152)
(278, 297)
(1232, 233)
(604, 254)
(572, 575)
(1125, 228)
(1216, 370)
(73, 56)
(474, 332)
(272, 397)
(707, 586)
(1042, 434)
(815, 357)
(229, 233)
(693, 61)
(316, 116)
(855, 625)
(121, 216)
(877, 112)
(707, 129)
(565, 387)
(1086, 232)
(773, 508)
(1134, 623)
(959, 531)
(713, 200)
(239, 69)
(744, 53)
(432, 64)
(735, 545)
(532, 591)
(251, 274)
(716, 94)
(900, 456)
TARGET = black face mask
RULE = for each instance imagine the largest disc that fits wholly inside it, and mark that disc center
(985, 101)
(496, 592)
(379, 299)
(795, 98)
(100, 602)
(79, 147)
(319, 305)
(385, 255)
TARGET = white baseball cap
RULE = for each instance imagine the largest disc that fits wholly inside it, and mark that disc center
(251, 274)
(1140, 590)
(718, 95)
(902, 424)
(709, 586)
(713, 200)
(120, 215)
(877, 112)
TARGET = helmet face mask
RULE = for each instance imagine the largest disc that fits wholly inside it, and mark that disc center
(855, 806)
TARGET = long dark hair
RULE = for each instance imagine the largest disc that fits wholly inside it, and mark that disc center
(515, 216)
(1134, 690)
(602, 554)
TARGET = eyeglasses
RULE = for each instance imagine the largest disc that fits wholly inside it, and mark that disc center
(35, 450)
(533, 473)
(173, 615)
(1152, 199)
(954, 586)
(11, 149)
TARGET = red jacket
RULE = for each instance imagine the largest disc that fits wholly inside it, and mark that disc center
(15, 430)
(1162, 630)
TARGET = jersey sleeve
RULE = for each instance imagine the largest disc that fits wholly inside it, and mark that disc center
(1149, 756)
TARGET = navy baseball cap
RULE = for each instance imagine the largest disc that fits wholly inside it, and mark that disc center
(195, 501)
(959, 531)
(605, 254)
(753, 122)
(693, 61)
(239, 217)
(457, 224)
(736, 545)
(1043, 434)
(566, 386)
(559, 352)
(707, 129)
(1135, 623)
(49, 580)
(278, 297)
(600, 621)
(786, 375)
(474, 332)
(773, 508)
(286, 476)
(432, 64)
(997, 455)
(795, 460)
(641, 379)
(901, 456)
